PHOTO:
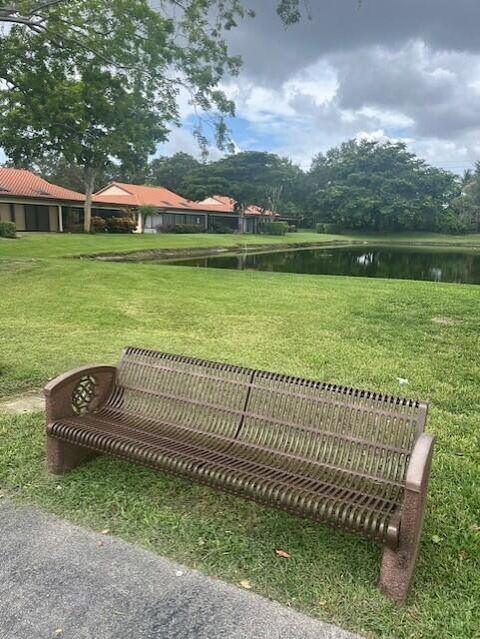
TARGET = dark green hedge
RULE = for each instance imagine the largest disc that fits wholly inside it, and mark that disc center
(273, 228)
(327, 227)
(181, 228)
(8, 229)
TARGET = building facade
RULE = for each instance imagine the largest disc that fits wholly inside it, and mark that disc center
(170, 209)
(34, 204)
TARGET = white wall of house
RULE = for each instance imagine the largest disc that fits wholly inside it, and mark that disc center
(114, 190)
(4, 212)
(211, 200)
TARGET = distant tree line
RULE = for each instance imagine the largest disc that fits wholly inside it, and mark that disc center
(360, 185)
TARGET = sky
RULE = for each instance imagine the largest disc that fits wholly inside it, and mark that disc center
(382, 69)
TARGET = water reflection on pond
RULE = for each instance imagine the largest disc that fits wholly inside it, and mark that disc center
(438, 265)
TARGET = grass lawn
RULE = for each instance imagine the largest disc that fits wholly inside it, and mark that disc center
(51, 245)
(48, 245)
(58, 313)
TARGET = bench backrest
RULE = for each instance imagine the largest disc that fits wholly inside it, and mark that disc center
(203, 395)
(301, 419)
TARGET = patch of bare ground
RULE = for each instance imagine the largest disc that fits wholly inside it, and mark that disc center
(30, 402)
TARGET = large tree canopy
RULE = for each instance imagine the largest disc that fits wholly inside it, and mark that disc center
(360, 185)
(382, 187)
(35, 14)
(251, 177)
(98, 81)
(467, 204)
(174, 173)
(57, 170)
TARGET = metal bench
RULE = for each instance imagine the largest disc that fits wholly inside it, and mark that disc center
(353, 459)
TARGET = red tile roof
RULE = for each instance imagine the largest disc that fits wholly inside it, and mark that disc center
(225, 200)
(157, 196)
(226, 204)
(218, 203)
(137, 195)
(21, 183)
(253, 209)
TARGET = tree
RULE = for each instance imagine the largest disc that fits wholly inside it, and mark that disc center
(39, 16)
(97, 81)
(251, 177)
(381, 187)
(91, 116)
(58, 170)
(467, 204)
(173, 173)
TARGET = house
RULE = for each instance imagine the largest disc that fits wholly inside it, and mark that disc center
(212, 213)
(37, 205)
(171, 208)
(33, 203)
(227, 212)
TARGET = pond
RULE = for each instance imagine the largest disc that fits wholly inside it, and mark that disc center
(398, 262)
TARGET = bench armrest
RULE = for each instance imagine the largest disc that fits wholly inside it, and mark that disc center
(418, 469)
(81, 390)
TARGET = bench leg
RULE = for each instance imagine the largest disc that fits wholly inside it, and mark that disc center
(62, 456)
(396, 573)
(398, 564)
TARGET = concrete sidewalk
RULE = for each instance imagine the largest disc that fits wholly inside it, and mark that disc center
(59, 580)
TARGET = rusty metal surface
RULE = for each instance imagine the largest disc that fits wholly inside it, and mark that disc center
(329, 453)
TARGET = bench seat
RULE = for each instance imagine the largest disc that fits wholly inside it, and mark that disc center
(297, 485)
(353, 459)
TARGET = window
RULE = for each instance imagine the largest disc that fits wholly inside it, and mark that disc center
(172, 219)
(37, 218)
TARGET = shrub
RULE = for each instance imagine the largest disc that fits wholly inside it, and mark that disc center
(121, 224)
(8, 229)
(331, 227)
(99, 224)
(273, 228)
(180, 228)
(327, 227)
(449, 222)
(218, 227)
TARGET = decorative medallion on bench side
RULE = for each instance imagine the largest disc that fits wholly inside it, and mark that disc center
(83, 394)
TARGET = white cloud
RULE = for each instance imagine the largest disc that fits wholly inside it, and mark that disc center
(410, 74)
(257, 104)
(318, 81)
(182, 139)
(387, 117)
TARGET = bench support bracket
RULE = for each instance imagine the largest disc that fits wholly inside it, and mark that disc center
(63, 456)
(398, 564)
